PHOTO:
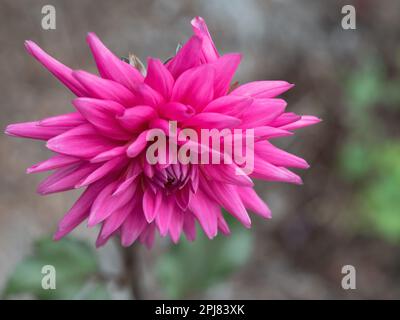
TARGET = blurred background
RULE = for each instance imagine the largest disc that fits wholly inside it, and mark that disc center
(346, 213)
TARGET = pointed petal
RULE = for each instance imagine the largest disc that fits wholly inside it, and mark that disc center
(104, 88)
(229, 105)
(159, 78)
(206, 211)
(303, 122)
(101, 114)
(110, 66)
(176, 111)
(148, 235)
(65, 120)
(195, 87)
(227, 196)
(80, 210)
(189, 226)
(208, 48)
(116, 219)
(278, 157)
(227, 173)
(82, 141)
(151, 204)
(176, 225)
(225, 68)
(132, 227)
(262, 89)
(211, 120)
(253, 202)
(223, 225)
(146, 95)
(109, 154)
(285, 118)
(267, 171)
(262, 112)
(267, 132)
(107, 168)
(33, 130)
(163, 217)
(189, 56)
(136, 118)
(65, 178)
(138, 145)
(54, 162)
(60, 71)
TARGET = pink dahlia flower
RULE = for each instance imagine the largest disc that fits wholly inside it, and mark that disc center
(101, 146)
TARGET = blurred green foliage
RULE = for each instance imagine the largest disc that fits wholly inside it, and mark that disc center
(370, 158)
(190, 267)
(75, 264)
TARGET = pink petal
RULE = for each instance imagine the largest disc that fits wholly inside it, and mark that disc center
(132, 227)
(285, 118)
(225, 68)
(116, 219)
(99, 210)
(101, 114)
(278, 157)
(267, 132)
(206, 211)
(222, 225)
(109, 154)
(227, 173)
(195, 87)
(54, 162)
(105, 169)
(208, 48)
(60, 71)
(105, 89)
(65, 178)
(65, 120)
(303, 122)
(267, 171)
(138, 145)
(110, 66)
(176, 225)
(176, 111)
(262, 112)
(159, 78)
(82, 141)
(211, 120)
(262, 89)
(151, 204)
(34, 130)
(253, 202)
(80, 210)
(189, 226)
(146, 95)
(136, 118)
(163, 217)
(227, 196)
(148, 235)
(189, 56)
(229, 105)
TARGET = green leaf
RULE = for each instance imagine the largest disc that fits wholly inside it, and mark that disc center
(74, 261)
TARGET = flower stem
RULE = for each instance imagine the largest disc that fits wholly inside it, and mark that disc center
(132, 272)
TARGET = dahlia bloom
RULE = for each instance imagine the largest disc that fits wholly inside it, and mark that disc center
(101, 145)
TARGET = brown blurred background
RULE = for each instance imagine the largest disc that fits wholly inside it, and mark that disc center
(346, 213)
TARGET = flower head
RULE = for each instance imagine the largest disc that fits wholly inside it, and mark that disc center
(102, 145)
